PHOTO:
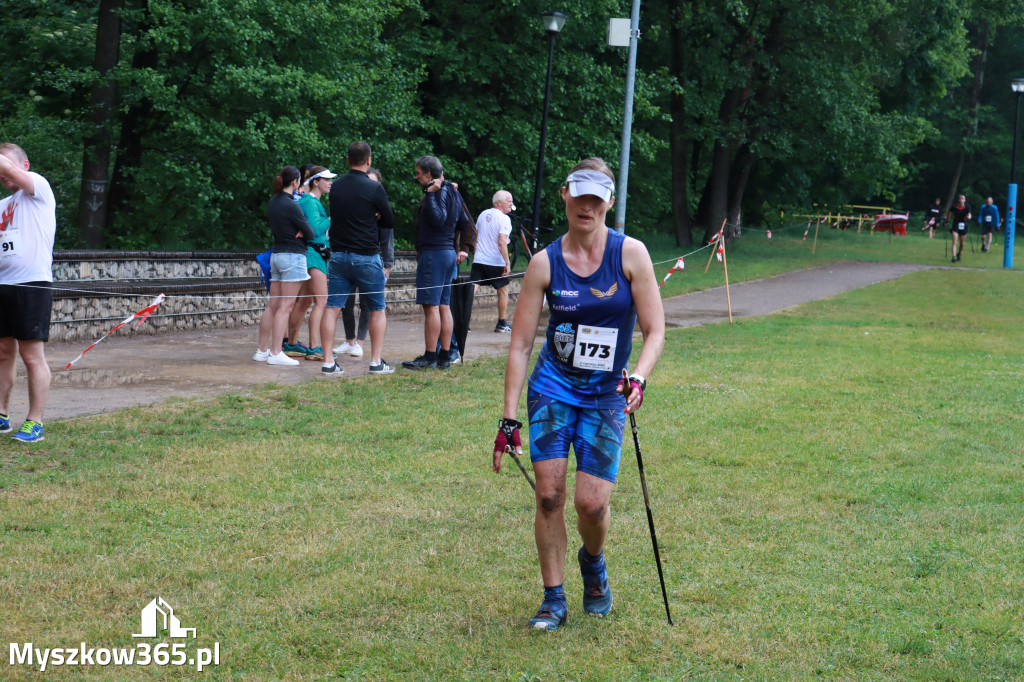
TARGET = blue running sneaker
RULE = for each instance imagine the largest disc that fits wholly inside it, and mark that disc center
(553, 610)
(597, 594)
(5, 423)
(30, 432)
(295, 350)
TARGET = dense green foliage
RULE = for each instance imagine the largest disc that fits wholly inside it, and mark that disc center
(740, 106)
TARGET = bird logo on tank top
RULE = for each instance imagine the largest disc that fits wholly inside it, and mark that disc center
(601, 295)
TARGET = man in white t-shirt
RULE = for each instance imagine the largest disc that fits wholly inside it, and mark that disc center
(28, 222)
(490, 262)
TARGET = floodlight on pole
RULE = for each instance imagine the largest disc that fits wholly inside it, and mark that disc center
(553, 22)
(1017, 86)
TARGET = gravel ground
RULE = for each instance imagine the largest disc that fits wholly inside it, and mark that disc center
(128, 369)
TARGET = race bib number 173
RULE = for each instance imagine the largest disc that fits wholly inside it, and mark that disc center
(595, 348)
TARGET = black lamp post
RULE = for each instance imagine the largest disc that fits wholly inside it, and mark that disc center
(553, 22)
(1017, 85)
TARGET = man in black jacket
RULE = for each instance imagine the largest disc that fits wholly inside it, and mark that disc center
(356, 202)
(441, 215)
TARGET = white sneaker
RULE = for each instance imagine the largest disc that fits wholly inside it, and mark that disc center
(343, 348)
(356, 351)
(280, 359)
(261, 355)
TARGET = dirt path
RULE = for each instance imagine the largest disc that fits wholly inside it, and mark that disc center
(131, 370)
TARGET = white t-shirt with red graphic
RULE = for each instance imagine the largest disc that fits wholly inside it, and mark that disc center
(489, 225)
(28, 224)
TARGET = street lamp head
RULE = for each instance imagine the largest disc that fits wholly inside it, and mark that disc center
(1017, 85)
(553, 21)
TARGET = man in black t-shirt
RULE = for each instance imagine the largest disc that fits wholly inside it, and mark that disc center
(359, 211)
(958, 217)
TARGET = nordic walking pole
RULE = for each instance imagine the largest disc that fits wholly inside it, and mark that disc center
(626, 389)
(510, 450)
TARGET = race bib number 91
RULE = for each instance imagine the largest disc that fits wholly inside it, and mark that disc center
(7, 249)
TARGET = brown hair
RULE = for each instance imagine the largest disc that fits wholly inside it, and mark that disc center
(376, 173)
(287, 176)
(595, 164)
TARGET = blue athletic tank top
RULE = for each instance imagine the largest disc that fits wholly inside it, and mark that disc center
(590, 333)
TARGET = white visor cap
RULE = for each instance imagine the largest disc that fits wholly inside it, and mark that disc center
(322, 174)
(590, 182)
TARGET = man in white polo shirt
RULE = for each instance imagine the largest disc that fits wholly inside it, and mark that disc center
(491, 264)
(28, 222)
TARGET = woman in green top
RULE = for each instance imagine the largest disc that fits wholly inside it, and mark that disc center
(314, 290)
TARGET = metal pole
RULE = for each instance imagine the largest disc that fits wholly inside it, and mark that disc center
(1011, 196)
(627, 120)
(543, 133)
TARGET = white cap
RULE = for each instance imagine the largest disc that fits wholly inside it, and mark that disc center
(322, 174)
(590, 182)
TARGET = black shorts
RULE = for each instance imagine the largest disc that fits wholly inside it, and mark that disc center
(956, 229)
(986, 228)
(25, 311)
(488, 275)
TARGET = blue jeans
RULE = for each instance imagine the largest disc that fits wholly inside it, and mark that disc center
(349, 271)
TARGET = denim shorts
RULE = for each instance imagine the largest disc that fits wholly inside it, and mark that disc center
(595, 434)
(435, 271)
(288, 267)
(347, 272)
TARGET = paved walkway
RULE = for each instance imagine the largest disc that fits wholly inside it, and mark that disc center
(128, 369)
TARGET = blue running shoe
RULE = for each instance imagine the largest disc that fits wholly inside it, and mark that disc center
(597, 594)
(5, 423)
(295, 350)
(552, 613)
(30, 432)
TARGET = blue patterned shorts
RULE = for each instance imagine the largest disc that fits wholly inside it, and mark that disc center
(595, 434)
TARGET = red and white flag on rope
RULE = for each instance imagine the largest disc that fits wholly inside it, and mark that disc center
(721, 249)
(678, 266)
(141, 316)
(808, 229)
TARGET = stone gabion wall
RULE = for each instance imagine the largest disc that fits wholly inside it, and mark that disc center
(88, 317)
(117, 270)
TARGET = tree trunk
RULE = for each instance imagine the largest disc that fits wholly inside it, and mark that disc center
(718, 182)
(681, 221)
(742, 167)
(972, 129)
(134, 124)
(92, 200)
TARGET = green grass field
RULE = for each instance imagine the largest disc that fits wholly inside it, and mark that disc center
(836, 490)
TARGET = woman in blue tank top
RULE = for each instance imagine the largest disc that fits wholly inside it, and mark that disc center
(598, 284)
